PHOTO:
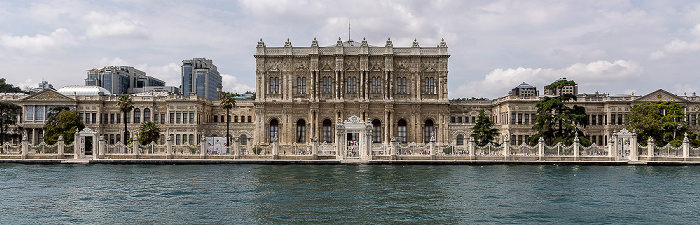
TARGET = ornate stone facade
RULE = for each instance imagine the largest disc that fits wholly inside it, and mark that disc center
(303, 92)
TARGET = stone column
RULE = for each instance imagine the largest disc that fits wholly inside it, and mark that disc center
(540, 147)
(612, 149)
(393, 148)
(506, 146)
(650, 148)
(203, 147)
(314, 148)
(25, 147)
(634, 152)
(98, 148)
(61, 147)
(432, 147)
(471, 146)
(236, 147)
(577, 145)
(135, 144)
(76, 144)
(686, 147)
(103, 147)
(169, 147)
(275, 150)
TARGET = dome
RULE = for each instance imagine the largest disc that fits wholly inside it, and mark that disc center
(524, 86)
(84, 91)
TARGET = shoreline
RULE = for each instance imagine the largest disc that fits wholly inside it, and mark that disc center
(342, 162)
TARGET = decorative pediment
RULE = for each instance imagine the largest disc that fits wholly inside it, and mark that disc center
(377, 66)
(48, 95)
(660, 95)
(351, 66)
(273, 67)
(301, 67)
(327, 67)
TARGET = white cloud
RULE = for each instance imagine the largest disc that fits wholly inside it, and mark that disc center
(59, 39)
(104, 24)
(684, 89)
(170, 73)
(104, 61)
(498, 82)
(231, 84)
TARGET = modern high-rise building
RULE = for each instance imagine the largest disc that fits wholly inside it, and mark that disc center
(200, 77)
(121, 79)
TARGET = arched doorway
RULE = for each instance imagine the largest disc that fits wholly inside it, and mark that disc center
(274, 131)
(301, 131)
(428, 131)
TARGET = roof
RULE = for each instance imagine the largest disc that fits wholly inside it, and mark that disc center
(524, 86)
(84, 90)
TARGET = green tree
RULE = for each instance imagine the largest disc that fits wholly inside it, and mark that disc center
(227, 102)
(663, 121)
(148, 132)
(126, 104)
(8, 117)
(483, 131)
(556, 122)
(65, 124)
(9, 88)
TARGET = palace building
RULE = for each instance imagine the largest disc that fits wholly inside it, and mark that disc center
(315, 93)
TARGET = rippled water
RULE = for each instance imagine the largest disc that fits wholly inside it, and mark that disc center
(264, 194)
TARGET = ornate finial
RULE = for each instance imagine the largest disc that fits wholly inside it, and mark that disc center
(339, 39)
(260, 39)
(287, 39)
(314, 38)
(388, 39)
(363, 38)
(443, 39)
(415, 43)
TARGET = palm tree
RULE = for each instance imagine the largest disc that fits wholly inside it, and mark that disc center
(148, 132)
(227, 102)
(126, 104)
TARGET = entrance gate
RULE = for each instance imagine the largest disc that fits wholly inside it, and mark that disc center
(85, 143)
(625, 145)
(353, 137)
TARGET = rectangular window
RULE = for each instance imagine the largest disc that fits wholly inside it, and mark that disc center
(532, 118)
(162, 139)
(30, 113)
(128, 117)
(87, 118)
(39, 113)
(216, 119)
(512, 140)
(119, 119)
(512, 118)
(177, 139)
(235, 119)
(94, 118)
(249, 119)
(184, 139)
(593, 120)
(527, 118)
(178, 116)
(452, 119)
(274, 85)
(459, 119)
(191, 139)
(301, 85)
(191, 117)
(473, 119)
(520, 118)
(619, 119)
(172, 118)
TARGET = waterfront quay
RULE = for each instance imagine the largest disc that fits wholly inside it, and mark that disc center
(623, 150)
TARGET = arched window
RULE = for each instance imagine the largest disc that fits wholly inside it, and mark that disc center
(191, 139)
(137, 115)
(249, 119)
(428, 131)
(402, 131)
(274, 130)
(244, 139)
(235, 119)
(301, 131)
(146, 114)
(376, 131)
(327, 131)
(460, 140)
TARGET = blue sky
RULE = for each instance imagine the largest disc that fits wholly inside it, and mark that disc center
(608, 46)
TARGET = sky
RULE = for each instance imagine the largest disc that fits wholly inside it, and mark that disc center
(608, 46)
